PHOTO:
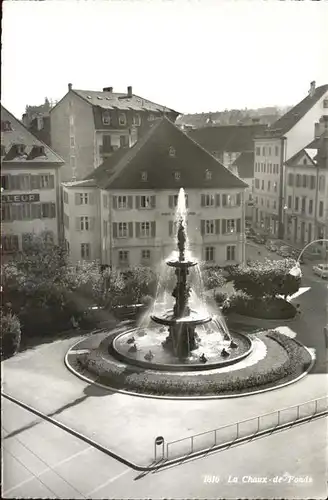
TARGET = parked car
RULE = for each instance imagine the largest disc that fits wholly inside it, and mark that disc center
(321, 270)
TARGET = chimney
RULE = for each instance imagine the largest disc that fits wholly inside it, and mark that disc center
(129, 91)
(108, 89)
(312, 89)
(70, 87)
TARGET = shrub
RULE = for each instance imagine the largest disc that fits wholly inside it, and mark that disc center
(220, 297)
(10, 334)
(260, 307)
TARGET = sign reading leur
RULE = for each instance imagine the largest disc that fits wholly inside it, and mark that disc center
(20, 198)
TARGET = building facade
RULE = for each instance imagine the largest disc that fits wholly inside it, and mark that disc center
(125, 214)
(88, 126)
(30, 187)
(306, 210)
(285, 138)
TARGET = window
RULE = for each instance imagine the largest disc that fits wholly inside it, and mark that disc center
(171, 152)
(27, 240)
(84, 223)
(276, 150)
(177, 176)
(144, 176)
(136, 120)
(122, 230)
(275, 186)
(5, 126)
(231, 226)
(145, 201)
(122, 119)
(123, 256)
(310, 206)
(145, 229)
(71, 120)
(289, 204)
(298, 180)
(296, 203)
(124, 141)
(209, 254)
(262, 202)
(274, 205)
(262, 186)
(4, 182)
(269, 184)
(322, 183)
(85, 250)
(106, 118)
(264, 167)
(290, 179)
(269, 153)
(9, 243)
(208, 175)
(72, 141)
(231, 252)
(303, 204)
(325, 103)
(268, 203)
(209, 227)
(208, 200)
(84, 198)
(46, 181)
(122, 202)
(258, 151)
(263, 151)
(48, 210)
(151, 118)
(304, 181)
(312, 182)
(321, 209)
(257, 183)
(145, 255)
(65, 197)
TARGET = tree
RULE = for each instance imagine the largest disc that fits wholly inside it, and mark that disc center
(213, 278)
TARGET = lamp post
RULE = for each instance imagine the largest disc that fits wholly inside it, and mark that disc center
(296, 270)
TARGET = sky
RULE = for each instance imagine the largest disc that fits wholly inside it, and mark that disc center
(192, 56)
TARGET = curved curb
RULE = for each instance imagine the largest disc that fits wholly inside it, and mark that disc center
(260, 322)
(188, 398)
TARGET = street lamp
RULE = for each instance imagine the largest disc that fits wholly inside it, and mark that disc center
(296, 270)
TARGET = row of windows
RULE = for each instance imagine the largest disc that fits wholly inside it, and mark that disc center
(274, 185)
(267, 168)
(10, 243)
(267, 151)
(107, 119)
(306, 181)
(268, 205)
(27, 211)
(176, 174)
(300, 205)
(27, 182)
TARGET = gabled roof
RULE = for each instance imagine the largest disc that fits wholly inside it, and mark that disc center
(294, 115)
(298, 156)
(245, 164)
(17, 133)
(151, 154)
(230, 138)
(120, 101)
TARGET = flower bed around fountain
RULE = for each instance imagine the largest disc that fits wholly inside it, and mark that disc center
(284, 361)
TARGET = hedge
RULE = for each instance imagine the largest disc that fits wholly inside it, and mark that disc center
(10, 334)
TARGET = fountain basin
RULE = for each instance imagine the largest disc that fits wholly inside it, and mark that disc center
(211, 345)
(181, 263)
(194, 318)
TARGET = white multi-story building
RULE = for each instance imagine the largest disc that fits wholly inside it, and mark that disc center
(30, 187)
(124, 213)
(306, 209)
(284, 139)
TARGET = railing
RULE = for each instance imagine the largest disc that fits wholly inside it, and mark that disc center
(245, 429)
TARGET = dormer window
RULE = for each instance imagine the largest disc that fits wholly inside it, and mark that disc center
(122, 119)
(144, 176)
(136, 120)
(37, 151)
(177, 176)
(151, 117)
(171, 152)
(325, 103)
(208, 175)
(5, 126)
(20, 148)
(106, 118)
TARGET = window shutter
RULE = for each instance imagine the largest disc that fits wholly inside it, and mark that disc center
(130, 230)
(238, 199)
(137, 201)
(77, 199)
(153, 201)
(137, 229)
(36, 211)
(238, 225)
(114, 229)
(202, 226)
(202, 200)
(53, 210)
(114, 202)
(91, 198)
(217, 226)
(170, 201)
(170, 227)
(35, 182)
(224, 226)
(224, 200)
(153, 229)
(51, 181)
(130, 201)
(78, 224)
